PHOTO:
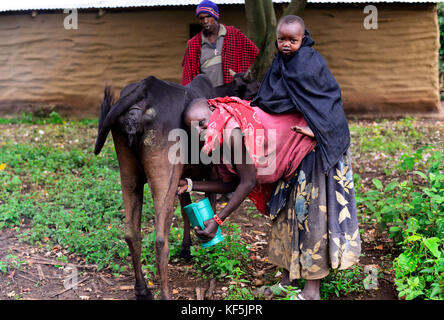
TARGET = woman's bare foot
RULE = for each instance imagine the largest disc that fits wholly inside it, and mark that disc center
(303, 130)
(311, 290)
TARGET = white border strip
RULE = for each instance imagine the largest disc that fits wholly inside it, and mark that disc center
(19, 5)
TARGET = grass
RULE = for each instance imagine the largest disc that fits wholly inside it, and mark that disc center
(50, 177)
(70, 196)
(53, 190)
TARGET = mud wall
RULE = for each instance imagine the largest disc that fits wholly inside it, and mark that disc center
(391, 69)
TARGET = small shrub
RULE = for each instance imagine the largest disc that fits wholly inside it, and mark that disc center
(413, 212)
(223, 259)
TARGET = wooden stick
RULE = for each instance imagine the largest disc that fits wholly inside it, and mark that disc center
(105, 280)
(71, 287)
(40, 272)
(42, 260)
(29, 279)
(200, 293)
(58, 263)
(209, 293)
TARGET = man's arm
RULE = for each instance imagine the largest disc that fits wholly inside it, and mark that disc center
(190, 62)
(238, 54)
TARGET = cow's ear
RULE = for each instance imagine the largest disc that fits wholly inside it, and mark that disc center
(248, 76)
(232, 73)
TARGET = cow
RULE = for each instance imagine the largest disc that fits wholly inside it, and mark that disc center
(140, 121)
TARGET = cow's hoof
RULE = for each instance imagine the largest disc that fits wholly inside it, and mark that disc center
(148, 296)
(185, 254)
(143, 293)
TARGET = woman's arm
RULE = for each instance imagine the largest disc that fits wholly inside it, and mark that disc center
(211, 186)
(247, 180)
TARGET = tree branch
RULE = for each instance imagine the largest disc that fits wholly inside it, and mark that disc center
(256, 22)
(295, 7)
(261, 22)
(270, 15)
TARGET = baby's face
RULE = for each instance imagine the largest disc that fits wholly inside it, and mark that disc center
(289, 37)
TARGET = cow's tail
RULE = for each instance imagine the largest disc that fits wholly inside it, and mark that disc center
(104, 110)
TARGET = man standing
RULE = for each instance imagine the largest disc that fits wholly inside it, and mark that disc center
(217, 49)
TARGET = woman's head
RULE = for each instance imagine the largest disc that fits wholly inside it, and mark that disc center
(290, 33)
(197, 114)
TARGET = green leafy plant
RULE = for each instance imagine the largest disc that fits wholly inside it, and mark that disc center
(337, 283)
(223, 259)
(11, 262)
(238, 289)
(3, 267)
(413, 212)
(420, 268)
(342, 282)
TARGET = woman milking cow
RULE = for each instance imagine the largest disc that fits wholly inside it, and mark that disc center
(289, 153)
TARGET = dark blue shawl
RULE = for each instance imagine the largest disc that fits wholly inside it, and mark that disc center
(302, 82)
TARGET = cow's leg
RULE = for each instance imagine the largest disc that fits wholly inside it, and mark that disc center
(185, 253)
(133, 195)
(212, 196)
(163, 178)
(132, 181)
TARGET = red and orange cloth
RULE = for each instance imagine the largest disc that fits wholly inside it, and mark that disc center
(287, 150)
(247, 119)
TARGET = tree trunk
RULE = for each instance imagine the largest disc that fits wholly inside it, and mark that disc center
(261, 24)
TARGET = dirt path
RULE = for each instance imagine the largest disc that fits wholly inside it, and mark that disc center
(35, 273)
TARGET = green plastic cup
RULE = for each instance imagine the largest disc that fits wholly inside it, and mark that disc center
(199, 212)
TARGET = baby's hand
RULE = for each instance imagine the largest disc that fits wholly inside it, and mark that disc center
(303, 130)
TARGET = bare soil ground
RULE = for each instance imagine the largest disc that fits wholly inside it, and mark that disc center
(38, 275)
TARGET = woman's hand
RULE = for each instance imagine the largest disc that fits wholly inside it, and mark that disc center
(183, 186)
(209, 232)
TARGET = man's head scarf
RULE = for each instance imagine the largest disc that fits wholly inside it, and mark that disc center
(209, 7)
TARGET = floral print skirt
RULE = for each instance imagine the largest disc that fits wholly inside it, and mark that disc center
(314, 220)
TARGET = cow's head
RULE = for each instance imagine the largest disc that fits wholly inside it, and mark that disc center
(242, 86)
(246, 86)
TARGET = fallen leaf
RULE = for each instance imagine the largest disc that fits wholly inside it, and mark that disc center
(175, 291)
(259, 282)
(2, 166)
